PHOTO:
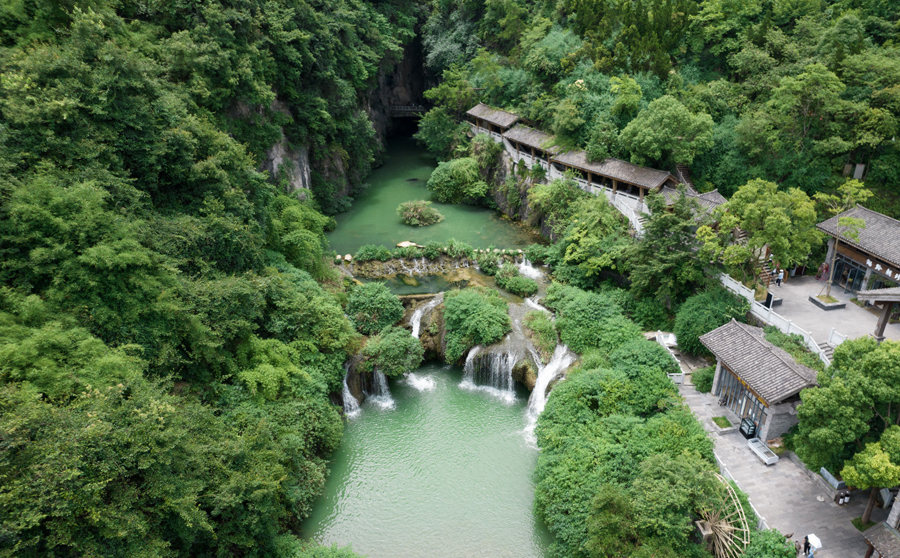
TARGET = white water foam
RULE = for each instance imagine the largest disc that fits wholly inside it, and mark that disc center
(351, 405)
(415, 321)
(562, 359)
(420, 383)
(381, 393)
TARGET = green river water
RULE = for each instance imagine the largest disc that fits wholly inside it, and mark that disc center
(373, 218)
(446, 473)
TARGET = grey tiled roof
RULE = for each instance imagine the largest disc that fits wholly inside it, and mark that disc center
(769, 371)
(880, 237)
(623, 171)
(707, 201)
(532, 138)
(885, 539)
(494, 116)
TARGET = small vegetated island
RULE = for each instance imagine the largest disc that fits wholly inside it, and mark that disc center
(177, 336)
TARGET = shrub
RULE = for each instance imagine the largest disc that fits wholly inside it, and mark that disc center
(409, 252)
(650, 313)
(370, 252)
(456, 181)
(472, 317)
(578, 315)
(543, 332)
(703, 378)
(769, 544)
(795, 347)
(642, 355)
(457, 249)
(393, 351)
(488, 261)
(703, 313)
(372, 307)
(418, 213)
(536, 253)
(508, 278)
(433, 250)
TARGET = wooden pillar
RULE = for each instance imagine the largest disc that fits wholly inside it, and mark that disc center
(886, 309)
(615, 185)
(870, 550)
(641, 195)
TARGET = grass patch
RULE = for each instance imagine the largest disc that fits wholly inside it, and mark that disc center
(857, 522)
(540, 328)
(722, 422)
(795, 347)
(827, 299)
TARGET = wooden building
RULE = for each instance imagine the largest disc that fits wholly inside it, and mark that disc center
(615, 175)
(883, 541)
(531, 146)
(756, 379)
(487, 120)
(871, 261)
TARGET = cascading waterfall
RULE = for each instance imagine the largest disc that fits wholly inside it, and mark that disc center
(415, 321)
(562, 359)
(528, 270)
(381, 393)
(490, 372)
(351, 405)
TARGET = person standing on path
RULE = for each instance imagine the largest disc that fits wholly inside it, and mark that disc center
(780, 277)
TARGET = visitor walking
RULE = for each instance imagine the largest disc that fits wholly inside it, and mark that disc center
(780, 277)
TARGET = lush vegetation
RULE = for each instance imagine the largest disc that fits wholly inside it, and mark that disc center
(781, 92)
(393, 351)
(543, 332)
(418, 213)
(704, 312)
(613, 433)
(373, 307)
(509, 278)
(703, 378)
(795, 347)
(170, 331)
(474, 316)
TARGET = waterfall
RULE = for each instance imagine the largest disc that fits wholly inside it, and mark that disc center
(531, 303)
(415, 321)
(381, 393)
(528, 270)
(491, 372)
(562, 359)
(351, 405)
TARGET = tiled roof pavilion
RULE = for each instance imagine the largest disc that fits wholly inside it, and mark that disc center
(498, 117)
(768, 371)
(880, 237)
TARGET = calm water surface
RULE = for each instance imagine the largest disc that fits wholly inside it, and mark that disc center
(447, 473)
(373, 218)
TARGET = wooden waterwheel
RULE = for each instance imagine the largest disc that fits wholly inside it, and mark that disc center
(724, 526)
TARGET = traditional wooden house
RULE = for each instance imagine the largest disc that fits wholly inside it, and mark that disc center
(487, 120)
(882, 541)
(707, 200)
(533, 147)
(756, 379)
(870, 261)
(615, 175)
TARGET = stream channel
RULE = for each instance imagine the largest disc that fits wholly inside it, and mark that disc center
(436, 468)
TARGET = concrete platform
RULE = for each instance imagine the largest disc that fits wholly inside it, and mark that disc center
(851, 321)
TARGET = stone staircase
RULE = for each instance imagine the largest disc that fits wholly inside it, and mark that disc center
(683, 174)
(827, 349)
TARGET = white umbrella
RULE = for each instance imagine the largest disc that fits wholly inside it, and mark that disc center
(814, 542)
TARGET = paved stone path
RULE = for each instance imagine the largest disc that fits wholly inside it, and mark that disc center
(852, 321)
(786, 495)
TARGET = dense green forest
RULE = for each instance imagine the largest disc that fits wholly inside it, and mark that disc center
(169, 331)
(786, 91)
